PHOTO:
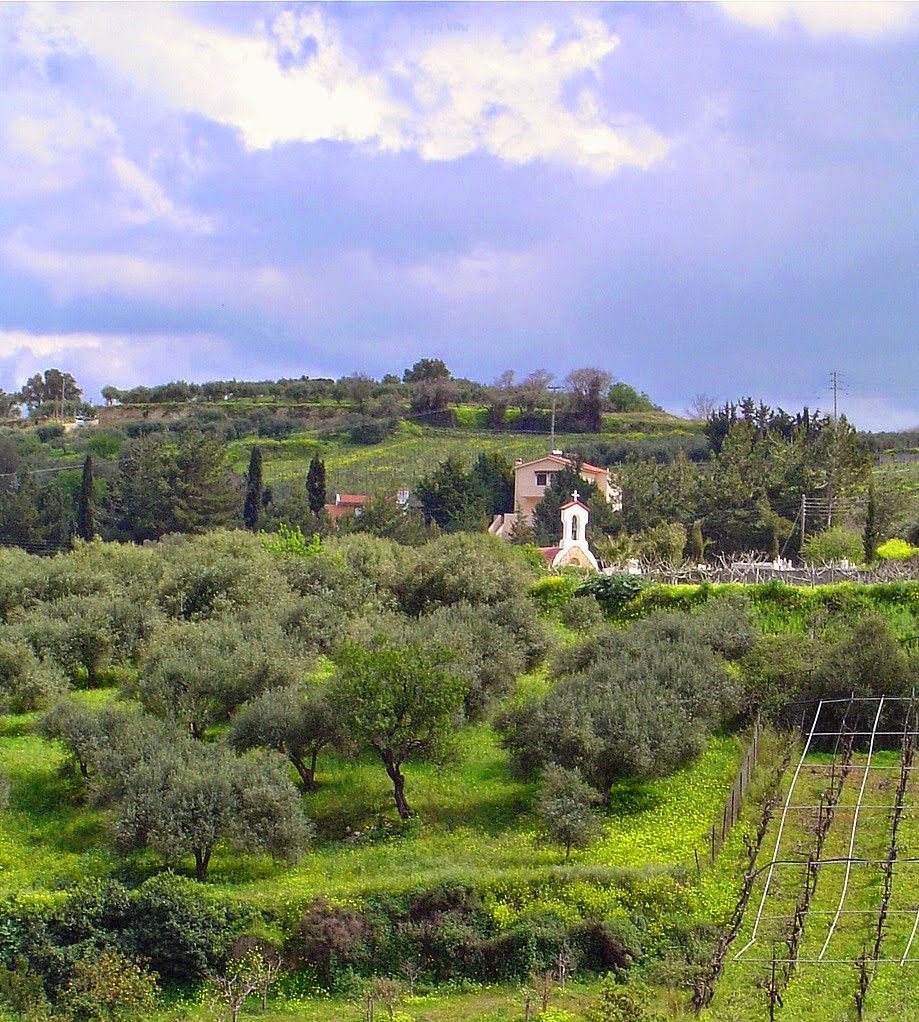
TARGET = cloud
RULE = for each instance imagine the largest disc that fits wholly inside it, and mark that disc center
(505, 98)
(17, 342)
(97, 359)
(873, 19)
(143, 200)
(174, 282)
(295, 80)
(47, 142)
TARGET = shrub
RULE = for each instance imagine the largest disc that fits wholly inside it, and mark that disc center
(108, 987)
(553, 591)
(26, 683)
(774, 670)
(176, 929)
(461, 567)
(584, 615)
(897, 550)
(613, 592)
(531, 944)
(606, 945)
(329, 939)
(835, 544)
(633, 704)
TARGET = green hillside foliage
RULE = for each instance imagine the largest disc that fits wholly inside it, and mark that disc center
(173, 655)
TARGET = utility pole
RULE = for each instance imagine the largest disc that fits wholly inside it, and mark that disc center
(554, 396)
(836, 381)
(803, 517)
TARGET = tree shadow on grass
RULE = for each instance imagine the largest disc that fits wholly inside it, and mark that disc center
(50, 808)
(632, 798)
(493, 816)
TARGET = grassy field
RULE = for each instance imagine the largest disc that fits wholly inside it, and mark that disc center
(474, 823)
(409, 454)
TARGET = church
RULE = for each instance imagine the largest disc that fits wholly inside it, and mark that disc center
(573, 552)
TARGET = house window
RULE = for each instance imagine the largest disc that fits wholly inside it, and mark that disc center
(542, 478)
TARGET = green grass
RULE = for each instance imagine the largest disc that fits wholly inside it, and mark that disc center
(824, 991)
(474, 1004)
(411, 453)
(474, 824)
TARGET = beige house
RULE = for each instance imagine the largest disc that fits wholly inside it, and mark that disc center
(532, 478)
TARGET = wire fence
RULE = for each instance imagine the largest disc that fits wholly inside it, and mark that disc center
(836, 731)
(734, 802)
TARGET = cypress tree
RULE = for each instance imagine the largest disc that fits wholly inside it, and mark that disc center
(870, 535)
(315, 485)
(253, 504)
(696, 542)
(86, 526)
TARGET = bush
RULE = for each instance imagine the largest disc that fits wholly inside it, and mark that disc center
(50, 431)
(835, 544)
(176, 929)
(610, 945)
(633, 703)
(553, 591)
(533, 943)
(897, 550)
(775, 669)
(613, 592)
(461, 567)
(329, 940)
(26, 683)
(583, 615)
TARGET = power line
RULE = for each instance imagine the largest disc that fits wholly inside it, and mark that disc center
(837, 382)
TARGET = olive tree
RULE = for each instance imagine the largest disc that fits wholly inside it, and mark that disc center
(400, 701)
(199, 672)
(631, 704)
(566, 808)
(297, 722)
(194, 795)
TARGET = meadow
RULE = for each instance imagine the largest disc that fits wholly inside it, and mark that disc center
(414, 451)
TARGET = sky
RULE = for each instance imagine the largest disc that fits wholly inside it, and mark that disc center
(711, 199)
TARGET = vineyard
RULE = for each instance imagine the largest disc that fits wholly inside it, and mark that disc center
(831, 922)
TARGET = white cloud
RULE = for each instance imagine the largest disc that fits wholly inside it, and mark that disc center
(16, 342)
(49, 144)
(143, 201)
(175, 282)
(46, 143)
(867, 19)
(297, 81)
(97, 359)
(506, 99)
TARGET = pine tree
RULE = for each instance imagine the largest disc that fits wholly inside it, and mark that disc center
(315, 485)
(870, 535)
(253, 504)
(86, 526)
